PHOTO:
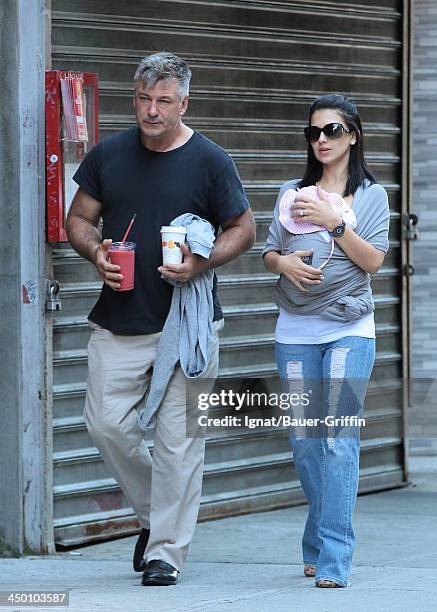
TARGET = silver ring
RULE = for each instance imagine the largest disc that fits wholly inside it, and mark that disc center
(301, 212)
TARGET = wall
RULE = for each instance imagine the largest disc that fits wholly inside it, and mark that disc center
(25, 505)
(424, 201)
(10, 479)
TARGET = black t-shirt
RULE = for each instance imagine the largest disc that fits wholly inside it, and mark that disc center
(126, 178)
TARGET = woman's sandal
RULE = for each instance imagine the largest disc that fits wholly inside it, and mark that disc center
(328, 584)
(309, 570)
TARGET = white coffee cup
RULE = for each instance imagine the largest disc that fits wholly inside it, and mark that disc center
(171, 240)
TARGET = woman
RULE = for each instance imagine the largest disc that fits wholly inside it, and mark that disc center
(326, 331)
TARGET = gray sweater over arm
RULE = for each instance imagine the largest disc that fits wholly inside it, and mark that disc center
(345, 292)
(188, 332)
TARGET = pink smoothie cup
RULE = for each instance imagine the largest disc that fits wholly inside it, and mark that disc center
(123, 254)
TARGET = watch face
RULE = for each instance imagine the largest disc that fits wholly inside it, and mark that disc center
(339, 230)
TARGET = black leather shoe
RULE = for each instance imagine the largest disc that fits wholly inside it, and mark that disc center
(138, 560)
(159, 573)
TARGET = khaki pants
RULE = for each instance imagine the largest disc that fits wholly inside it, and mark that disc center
(164, 492)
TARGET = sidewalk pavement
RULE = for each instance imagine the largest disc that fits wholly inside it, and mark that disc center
(253, 562)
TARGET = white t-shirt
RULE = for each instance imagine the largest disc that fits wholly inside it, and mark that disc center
(312, 329)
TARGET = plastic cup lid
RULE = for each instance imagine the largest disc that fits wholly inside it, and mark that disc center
(122, 246)
(174, 229)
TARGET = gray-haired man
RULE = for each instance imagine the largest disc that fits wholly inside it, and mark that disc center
(159, 170)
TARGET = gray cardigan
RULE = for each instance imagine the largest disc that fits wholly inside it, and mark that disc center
(345, 292)
(188, 332)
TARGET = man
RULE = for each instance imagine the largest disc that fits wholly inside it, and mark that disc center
(159, 169)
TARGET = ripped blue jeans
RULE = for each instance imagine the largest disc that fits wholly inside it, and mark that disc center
(334, 376)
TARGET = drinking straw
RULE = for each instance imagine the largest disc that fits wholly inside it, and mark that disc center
(128, 228)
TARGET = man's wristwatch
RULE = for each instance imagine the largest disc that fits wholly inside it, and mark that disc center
(338, 230)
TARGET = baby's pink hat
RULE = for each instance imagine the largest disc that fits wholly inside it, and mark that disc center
(298, 225)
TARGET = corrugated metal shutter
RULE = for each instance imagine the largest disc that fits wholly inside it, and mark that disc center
(257, 65)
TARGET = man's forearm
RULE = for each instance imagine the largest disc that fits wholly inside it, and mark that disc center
(84, 237)
(229, 245)
(236, 238)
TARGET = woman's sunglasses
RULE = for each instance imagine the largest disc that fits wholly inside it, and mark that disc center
(331, 131)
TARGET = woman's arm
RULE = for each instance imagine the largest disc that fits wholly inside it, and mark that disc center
(363, 254)
(290, 265)
(360, 251)
(293, 268)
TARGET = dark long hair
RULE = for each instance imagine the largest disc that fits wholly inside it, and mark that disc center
(357, 168)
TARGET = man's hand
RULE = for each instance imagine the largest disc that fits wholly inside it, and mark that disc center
(238, 235)
(108, 272)
(319, 213)
(191, 266)
(298, 272)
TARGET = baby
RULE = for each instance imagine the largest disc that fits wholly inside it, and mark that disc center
(299, 226)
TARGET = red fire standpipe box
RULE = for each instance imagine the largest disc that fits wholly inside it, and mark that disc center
(72, 129)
